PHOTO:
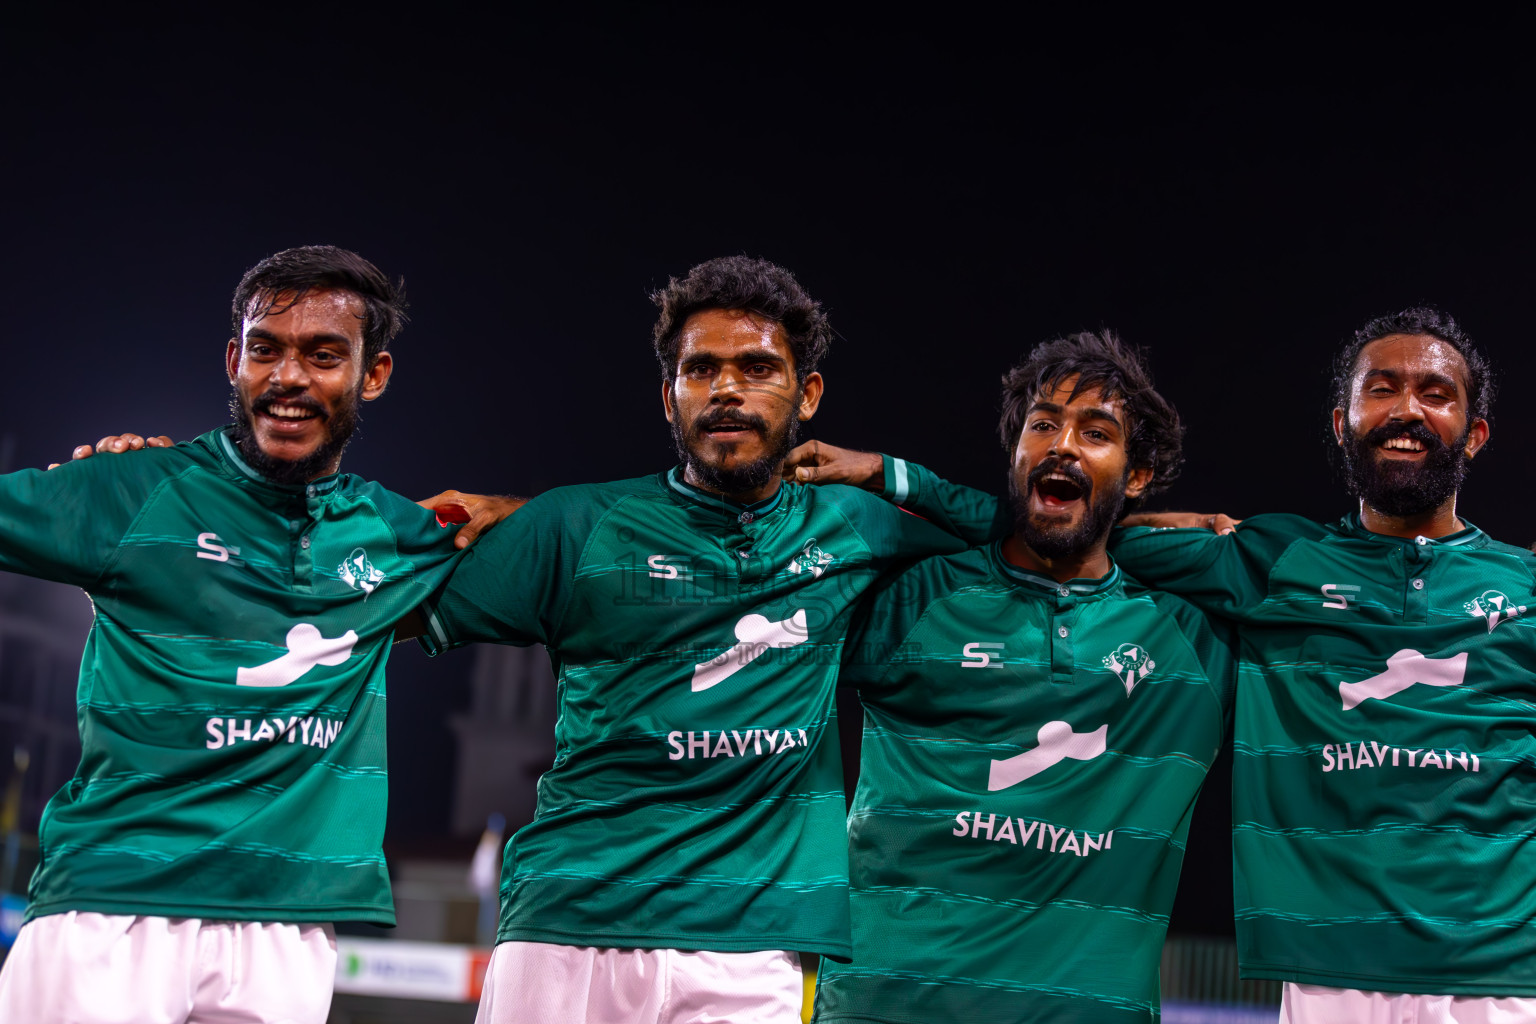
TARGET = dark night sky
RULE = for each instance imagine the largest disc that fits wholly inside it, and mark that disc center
(1233, 198)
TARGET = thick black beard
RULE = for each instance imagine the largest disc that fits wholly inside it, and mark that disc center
(1056, 542)
(743, 479)
(1399, 488)
(341, 426)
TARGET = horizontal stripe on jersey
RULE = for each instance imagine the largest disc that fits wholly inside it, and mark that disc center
(231, 698)
(1032, 754)
(696, 797)
(1383, 752)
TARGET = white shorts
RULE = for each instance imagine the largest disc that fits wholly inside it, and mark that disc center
(546, 983)
(84, 968)
(1316, 1004)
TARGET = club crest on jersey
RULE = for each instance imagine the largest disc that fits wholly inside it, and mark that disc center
(1131, 663)
(1494, 607)
(811, 559)
(358, 573)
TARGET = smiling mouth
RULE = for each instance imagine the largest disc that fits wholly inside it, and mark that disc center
(1402, 443)
(285, 412)
(1056, 490)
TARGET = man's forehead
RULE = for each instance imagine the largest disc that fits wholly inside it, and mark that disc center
(1412, 355)
(1091, 396)
(314, 304)
(717, 330)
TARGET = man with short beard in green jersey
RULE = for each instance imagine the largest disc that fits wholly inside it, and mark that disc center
(1037, 728)
(1383, 745)
(689, 839)
(229, 803)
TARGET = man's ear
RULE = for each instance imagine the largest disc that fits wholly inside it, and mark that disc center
(1137, 483)
(1338, 426)
(810, 396)
(377, 377)
(1477, 436)
(232, 359)
(666, 400)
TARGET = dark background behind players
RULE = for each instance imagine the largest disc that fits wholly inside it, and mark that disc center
(1235, 199)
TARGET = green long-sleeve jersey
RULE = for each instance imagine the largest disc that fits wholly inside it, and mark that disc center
(1384, 766)
(231, 696)
(696, 797)
(1032, 754)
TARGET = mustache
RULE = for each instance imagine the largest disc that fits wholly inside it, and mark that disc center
(1055, 464)
(750, 420)
(1416, 431)
(267, 399)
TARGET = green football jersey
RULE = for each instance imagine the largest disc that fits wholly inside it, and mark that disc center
(696, 797)
(1382, 749)
(231, 697)
(1032, 755)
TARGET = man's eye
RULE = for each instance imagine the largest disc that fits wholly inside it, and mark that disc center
(1042, 425)
(697, 371)
(326, 358)
(259, 351)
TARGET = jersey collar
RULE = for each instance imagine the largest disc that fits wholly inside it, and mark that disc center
(230, 454)
(1081, 588)
(1470, 537)
(673, 479)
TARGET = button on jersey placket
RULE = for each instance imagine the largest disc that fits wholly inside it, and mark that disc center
(1062, 630)
(749, 562)
(304, 531)
(1418, 559)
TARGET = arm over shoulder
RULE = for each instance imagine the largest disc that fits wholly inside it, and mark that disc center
(976, 517)
(1225, 575)
(514, 585)
(67, 523)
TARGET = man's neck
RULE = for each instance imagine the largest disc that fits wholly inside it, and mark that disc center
(1089, 564)
(1439, 521)
(750, 497)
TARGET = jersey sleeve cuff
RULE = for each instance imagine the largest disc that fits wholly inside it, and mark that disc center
(900, 480)
(435, 640)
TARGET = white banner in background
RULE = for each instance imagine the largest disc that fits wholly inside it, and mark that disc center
(409, 970)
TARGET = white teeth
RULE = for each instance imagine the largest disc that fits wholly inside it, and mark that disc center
(288, 412)
(1406, 444)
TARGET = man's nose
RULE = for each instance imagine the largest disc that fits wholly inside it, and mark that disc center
(291, 372)
(728, 385)
(1407, 407)
(1067, 445)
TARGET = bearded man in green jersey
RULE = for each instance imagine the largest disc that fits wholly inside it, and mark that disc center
(1383, 746)
(689, 839)
(229, 803)
(1037, 728)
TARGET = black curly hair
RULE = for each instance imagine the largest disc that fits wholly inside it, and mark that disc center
(1418, 320)
(753, 285)
(1099, 359)
(296, 272)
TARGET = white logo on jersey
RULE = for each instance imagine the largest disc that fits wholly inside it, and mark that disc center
(306, 649)
(754, 635)
(1131, 663)
(660, 569)
(811, 559)
(358, 573)
(214, 549)
(977, 657)
(1404, 669)
(1339, 595)
(1494, 607)
(1057, 743)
